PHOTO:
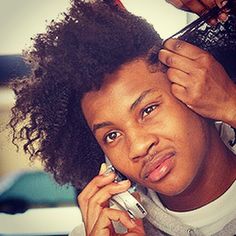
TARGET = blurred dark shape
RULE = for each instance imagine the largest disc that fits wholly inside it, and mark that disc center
(12, 66)
(14, 205)
(37, 189)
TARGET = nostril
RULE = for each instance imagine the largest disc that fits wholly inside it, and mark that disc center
(151, 146)
(136, 159)
(151, 149)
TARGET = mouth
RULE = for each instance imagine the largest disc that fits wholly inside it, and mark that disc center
(158, 167)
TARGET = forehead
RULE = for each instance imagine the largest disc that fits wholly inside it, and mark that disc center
(123, 87)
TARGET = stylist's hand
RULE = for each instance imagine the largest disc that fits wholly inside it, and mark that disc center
(97, 215)
(200, 7)
(200, 81)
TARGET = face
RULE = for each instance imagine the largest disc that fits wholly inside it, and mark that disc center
(147, 133)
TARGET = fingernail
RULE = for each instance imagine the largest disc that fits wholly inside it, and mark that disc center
(110, 169)
(103, 168)
(223, 17)
(213, 22)
(223, 3)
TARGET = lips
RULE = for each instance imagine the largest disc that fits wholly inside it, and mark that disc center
(158, 167)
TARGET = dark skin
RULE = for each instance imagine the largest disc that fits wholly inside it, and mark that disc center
(211, 94)
(65, 139)
(200, 7)
(137, 132)
(200, 81)
(187, 85)
(213, 188)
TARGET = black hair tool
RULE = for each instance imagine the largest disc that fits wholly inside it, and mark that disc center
(219, 40)
(230, 7)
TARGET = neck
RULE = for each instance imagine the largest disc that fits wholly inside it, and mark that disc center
(217, 174)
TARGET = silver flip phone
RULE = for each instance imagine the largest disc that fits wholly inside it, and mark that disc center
(127, 202)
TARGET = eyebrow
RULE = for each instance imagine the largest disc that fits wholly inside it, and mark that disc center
(140, 98)
(101, 125)
(132, 107)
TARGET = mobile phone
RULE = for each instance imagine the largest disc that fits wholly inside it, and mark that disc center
(127, 202)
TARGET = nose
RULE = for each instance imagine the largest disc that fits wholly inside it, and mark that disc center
(140, 142)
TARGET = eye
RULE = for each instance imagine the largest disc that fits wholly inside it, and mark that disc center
(148, 110)
(111, 137)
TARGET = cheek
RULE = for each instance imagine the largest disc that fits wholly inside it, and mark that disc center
(187, 131)
(183, 123)
(119, 159)
(189, 135)
(191, 146)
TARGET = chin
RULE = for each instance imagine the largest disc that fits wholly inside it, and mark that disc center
(172, 192)
(170, 188)
(168, 192)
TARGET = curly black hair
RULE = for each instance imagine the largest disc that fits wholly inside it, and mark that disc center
(70, 59)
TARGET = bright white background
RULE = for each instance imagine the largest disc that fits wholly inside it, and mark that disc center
(22, 19)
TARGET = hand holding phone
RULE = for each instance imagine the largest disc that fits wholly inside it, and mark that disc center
(127, 202)
(94, 200)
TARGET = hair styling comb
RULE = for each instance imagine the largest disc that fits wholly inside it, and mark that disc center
(219, 40)
(196, 24)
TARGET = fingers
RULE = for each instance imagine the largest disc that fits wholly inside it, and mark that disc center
(104, 223)
(178, 4)
(98, 182)
(185, 57)
(94, 198)
(184, 49)
(93, 187)
(179, 77)
(224, 15)
(107, 192)
(200, 7)
(176, 61)
(180, 92)
(182, 85)
(100, 200)
(195, 6)
(95, 209)
(102, 168)
(191, 56)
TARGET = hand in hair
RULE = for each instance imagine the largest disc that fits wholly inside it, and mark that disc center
(97, 215)
(200, 7)
(200, 81)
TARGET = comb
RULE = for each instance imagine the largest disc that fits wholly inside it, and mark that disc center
(196, 24)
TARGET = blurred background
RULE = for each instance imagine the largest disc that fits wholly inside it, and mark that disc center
(29, 197)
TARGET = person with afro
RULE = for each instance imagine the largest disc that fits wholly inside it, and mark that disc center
(102, 85)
